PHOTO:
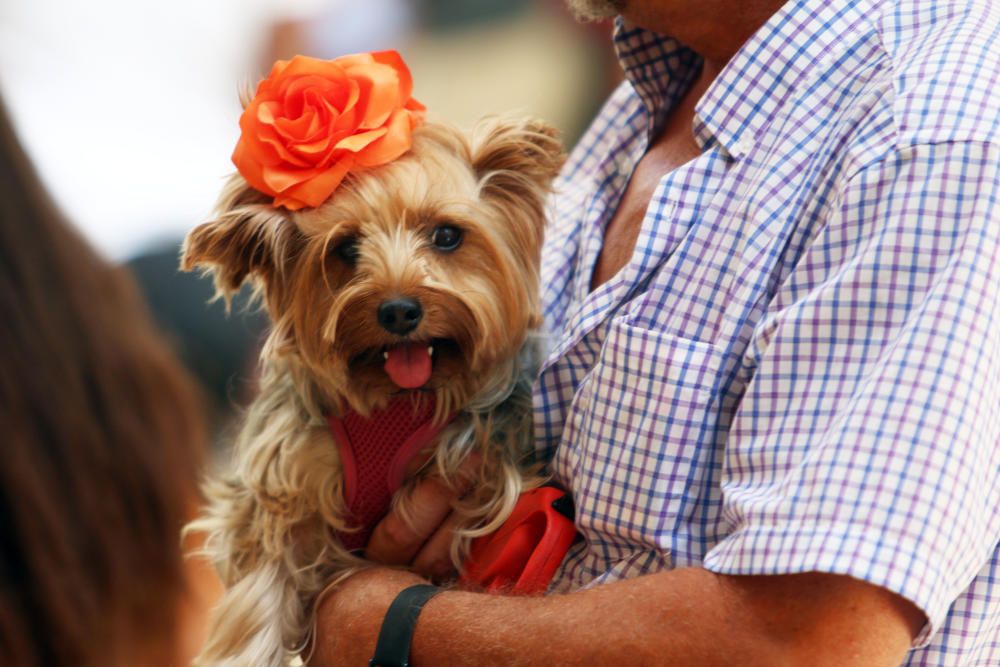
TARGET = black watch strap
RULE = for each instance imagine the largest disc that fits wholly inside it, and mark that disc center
(393, 646)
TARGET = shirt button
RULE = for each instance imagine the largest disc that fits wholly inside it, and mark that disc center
(623, 165)
(743, 145)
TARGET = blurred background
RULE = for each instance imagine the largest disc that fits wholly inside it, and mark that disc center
(129, 111)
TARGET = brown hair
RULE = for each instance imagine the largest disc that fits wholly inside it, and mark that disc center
(101, 437)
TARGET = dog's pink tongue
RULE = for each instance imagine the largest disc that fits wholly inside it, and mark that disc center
(408, 365)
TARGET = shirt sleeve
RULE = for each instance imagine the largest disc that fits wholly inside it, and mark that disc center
(866, 443)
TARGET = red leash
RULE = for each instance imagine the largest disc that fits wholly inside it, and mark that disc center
(523, 556)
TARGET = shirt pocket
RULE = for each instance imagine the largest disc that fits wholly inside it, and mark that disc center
(643, 441)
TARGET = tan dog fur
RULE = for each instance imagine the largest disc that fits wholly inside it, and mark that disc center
(272, 515)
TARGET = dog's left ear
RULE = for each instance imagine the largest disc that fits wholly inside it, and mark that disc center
(248, 238)
(516, 158)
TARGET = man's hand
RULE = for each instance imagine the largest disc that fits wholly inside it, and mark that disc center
(349, 618)
(688, 616)
(423, 541)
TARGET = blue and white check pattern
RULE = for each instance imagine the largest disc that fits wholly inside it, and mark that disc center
(799, 369)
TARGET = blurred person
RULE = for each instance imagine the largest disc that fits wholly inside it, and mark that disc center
(218, 343)
(771, 279)
(102, 437)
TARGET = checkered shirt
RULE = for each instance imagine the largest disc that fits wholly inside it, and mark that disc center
(799, 369)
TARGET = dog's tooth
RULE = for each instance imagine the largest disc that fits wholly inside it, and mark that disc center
(430, 350)
(385, 355)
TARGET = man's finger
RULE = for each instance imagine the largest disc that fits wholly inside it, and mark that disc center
(434, 560)
(396, 540)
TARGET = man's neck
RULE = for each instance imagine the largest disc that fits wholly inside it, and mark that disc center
(715, 29)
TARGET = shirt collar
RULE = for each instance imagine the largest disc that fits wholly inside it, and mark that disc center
(803, 36)
(659, 68)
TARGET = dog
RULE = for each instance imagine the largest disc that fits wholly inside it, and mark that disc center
(417, 280)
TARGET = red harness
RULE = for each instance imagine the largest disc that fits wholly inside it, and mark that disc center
(375, 453)
(521, 557)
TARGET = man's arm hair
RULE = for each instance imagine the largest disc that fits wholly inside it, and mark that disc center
(688, 616)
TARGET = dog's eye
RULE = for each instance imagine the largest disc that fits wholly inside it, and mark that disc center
(347, 251)
(447, 237)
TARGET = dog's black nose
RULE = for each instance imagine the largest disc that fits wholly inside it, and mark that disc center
(400, 316)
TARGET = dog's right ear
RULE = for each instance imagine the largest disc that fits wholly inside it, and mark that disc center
(516, 157)
(248, 237)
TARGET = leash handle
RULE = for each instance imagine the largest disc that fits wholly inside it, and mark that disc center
(524, 554)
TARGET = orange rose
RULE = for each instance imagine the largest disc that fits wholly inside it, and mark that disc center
(313, 121)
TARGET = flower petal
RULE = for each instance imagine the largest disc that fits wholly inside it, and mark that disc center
(396, 141)
(285, 154)
(250, 169)
(301, 129)
(305, 65)
(279, 179)
(316, 190)
(254, 145)
(395, 61)
(268, 112)
(313, 121)
(414, 105)
(357, 142)
(311, 150)
(380, 94)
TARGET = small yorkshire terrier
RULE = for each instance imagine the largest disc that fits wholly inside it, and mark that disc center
(416, 280)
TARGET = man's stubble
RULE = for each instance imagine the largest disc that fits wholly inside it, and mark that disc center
(595, 10)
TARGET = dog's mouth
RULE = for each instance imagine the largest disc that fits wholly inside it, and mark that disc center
(409, 364)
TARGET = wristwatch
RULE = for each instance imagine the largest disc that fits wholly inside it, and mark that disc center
(393, 646)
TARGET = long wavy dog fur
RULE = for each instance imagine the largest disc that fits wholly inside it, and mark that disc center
(272, 516)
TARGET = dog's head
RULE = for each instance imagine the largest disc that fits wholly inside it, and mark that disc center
(420, 274)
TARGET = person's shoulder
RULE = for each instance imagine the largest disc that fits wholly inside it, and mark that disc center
(945, 58)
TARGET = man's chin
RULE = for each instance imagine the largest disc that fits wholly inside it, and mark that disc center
(595, 10)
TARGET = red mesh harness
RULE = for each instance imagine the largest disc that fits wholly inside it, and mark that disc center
(374, 454)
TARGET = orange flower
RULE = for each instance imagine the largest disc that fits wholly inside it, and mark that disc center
(313, 121)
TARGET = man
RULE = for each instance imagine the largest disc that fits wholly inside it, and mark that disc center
(772, 278)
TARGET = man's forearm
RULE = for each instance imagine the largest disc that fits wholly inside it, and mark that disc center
(686, 616)
(637, 622)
